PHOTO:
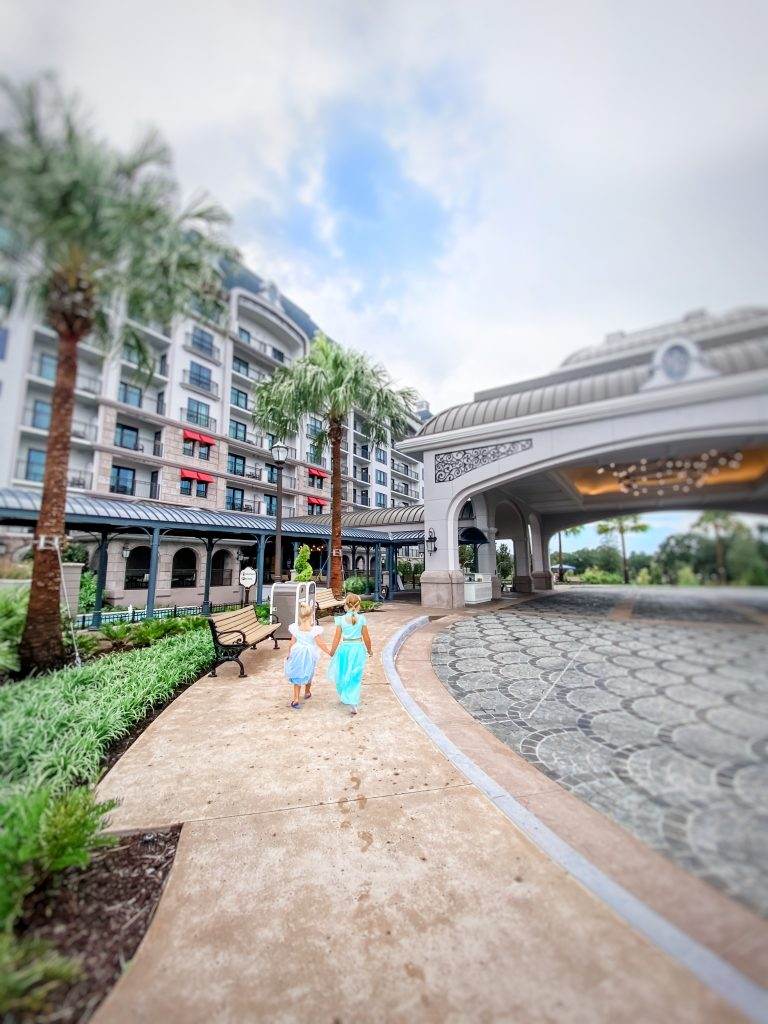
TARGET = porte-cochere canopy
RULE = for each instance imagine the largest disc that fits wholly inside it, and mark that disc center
(672, 417)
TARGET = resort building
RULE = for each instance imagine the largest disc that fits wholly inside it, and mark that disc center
(180, 432)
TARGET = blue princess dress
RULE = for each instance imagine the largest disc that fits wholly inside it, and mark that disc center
(301, 663)
(348, 663)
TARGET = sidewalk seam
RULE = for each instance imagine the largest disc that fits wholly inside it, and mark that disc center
(714, 972)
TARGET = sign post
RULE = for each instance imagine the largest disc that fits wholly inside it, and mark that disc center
(247, 580)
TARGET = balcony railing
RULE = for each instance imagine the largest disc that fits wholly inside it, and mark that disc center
(81, 430)
(197, 419)
(362, 451)
(201, 383)
(263, 349)
(322, 461)
(210, 351)
(257, 440)
(250, 373)
(403, 470)
(45, 369)
(288, 481)
(34, 472)
(402, 489)
(234, 505)
(236, 403)
(137, 489)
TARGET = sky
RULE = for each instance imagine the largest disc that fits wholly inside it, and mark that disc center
(466, 191)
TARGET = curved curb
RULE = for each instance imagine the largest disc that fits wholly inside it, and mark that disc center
(714, 972)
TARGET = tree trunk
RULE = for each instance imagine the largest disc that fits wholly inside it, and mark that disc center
(334, 432)
(560, 555)
(624, 556)
(41, 645)
(719, 556)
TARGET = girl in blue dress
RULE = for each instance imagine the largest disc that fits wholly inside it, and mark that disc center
(303, 653)
(350, 649)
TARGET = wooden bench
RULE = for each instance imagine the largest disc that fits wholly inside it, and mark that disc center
(234, 632)
(325, 600)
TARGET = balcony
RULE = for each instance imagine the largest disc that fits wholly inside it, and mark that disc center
(197, 419)
(266, 352)
(362, 451)
(288, 481)
(322, 462)
(37, 419)
(363, 476)
(44, 369)
(236, 402)
(408, 492)
(254, 440)
(249, 373)
(200, 383)
(158, 368)
(33, 473)
(137, 489)
(194, 343)
(403, 470)
(237, 505)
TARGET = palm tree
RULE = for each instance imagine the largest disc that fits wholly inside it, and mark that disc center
(622, 525)
(90, 236)
(330, 382)
(721, 524)
(569, 531)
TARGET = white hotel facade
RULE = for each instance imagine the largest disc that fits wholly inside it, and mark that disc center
(184, 435)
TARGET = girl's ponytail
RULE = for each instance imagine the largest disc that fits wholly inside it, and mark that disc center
(351, 605)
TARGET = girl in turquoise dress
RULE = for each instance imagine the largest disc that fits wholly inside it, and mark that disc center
(350, 649)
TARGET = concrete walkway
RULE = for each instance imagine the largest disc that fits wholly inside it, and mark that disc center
(339, 869)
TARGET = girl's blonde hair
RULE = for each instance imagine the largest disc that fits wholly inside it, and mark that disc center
(306, 612)
(352, 604)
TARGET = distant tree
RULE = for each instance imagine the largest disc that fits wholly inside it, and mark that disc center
(569, 531)
(466, 557)
(721, 525)
(621, 526)
(638, 561)
(744, 561)
(503, 561)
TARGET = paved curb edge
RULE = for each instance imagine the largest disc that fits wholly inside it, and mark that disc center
(717, 974)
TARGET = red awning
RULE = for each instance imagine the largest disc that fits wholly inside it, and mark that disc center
(194, 474)
(317, 472)
(316, 501)
(207, 440)
(192, 435)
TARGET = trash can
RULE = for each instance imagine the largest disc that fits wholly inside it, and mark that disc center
(284, 604)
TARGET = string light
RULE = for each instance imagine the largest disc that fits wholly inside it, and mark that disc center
(677, 475)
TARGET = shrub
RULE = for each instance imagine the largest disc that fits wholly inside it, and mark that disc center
(368, 606)
(595, 575)
(303, 570)
(643, 578)
(55, 729)
(10, 570)
(75, 552)
(29, 971)
(262, 611)
(357, 585)
(41, 834)
(13, 612)
(87, 598)
(118, 633)
(686, 577)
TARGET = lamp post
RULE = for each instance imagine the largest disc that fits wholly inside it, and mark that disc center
(279, 455)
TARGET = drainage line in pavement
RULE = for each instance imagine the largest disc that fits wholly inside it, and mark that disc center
(714, 972)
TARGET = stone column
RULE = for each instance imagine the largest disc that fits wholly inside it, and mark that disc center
(523, 582)
(541, 574)
(486, 559)
(442, 582)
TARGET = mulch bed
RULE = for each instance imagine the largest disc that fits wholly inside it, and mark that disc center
(99, 915)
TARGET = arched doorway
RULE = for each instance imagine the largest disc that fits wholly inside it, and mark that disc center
(221, 569)
(137, 568)
(184, 569)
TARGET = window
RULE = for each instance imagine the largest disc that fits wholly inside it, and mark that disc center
(234, 501)
(185, 487)
(238, 430)
(278, 355)
(240, 365)
(137, 568)
(122, 480)
(127, 437)
(381, 456)
(160, 404)
(314, 426)
(221, 573)
(314, 510)
(238, 398)
(271, 505)
(41, 414)
(35, 465)
(271, 440)
(272, 474)
(3, 341)
(130, 394)
(197, 412)
(204, 451)
(202, 488)
(157, 446)
(236, 464)
(184, 568)
(188, 448)
(203, 340)
(381, 477)
(381, 499)
(162, 367)
(244, 335)
(47, 366)
(200, 376)
(316, 481)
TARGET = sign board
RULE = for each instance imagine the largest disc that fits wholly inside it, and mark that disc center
(337, 551)
(247, 576)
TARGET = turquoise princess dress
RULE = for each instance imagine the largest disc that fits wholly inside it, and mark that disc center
(348, 663)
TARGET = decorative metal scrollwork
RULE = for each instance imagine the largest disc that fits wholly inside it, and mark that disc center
(450, 465)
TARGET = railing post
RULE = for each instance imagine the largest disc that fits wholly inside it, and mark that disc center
(152, 582)
(208, 567)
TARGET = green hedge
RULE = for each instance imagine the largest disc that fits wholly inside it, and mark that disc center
(55, 729)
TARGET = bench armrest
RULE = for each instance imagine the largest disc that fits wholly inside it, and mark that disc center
(227, 632)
